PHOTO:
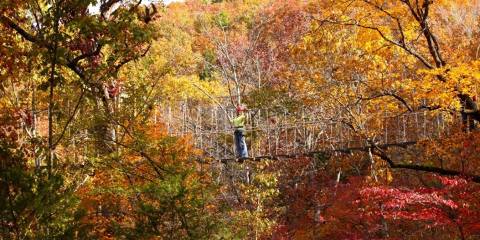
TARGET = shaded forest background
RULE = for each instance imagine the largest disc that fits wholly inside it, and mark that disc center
(83, 156)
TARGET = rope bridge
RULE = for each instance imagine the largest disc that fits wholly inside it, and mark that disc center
(274, 133)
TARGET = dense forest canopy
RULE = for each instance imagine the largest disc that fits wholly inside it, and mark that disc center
(88, 88)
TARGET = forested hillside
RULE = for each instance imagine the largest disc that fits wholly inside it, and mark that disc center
(240, 119)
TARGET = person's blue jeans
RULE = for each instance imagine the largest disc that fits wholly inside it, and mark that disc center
(240, 144)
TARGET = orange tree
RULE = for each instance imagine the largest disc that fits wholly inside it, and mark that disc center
(362, 59)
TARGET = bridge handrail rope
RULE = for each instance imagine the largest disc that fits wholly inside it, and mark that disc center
(272, 132)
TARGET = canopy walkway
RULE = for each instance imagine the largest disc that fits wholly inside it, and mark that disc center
(276, 133)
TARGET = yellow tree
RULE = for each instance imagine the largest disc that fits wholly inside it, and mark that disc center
(363, 59)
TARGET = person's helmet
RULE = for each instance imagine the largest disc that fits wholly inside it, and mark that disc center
(241, 108)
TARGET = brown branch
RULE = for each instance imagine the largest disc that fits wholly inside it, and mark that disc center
(400, 99)
(400, 43)
(77, 106)
(389, 94)
(412, 10)
(76, 69)
(143, 154)
(12, 25)
(86, 55)
(397, 20)
(33, 39)
(127, 60)
(396, 43)
(106, 6)
(421, 17)
(430, 169)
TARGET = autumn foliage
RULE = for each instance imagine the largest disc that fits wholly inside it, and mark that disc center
(85, 152)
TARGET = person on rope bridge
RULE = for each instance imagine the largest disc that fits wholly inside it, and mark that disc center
(239, 125)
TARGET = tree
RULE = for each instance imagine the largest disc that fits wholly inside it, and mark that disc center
(92, 46)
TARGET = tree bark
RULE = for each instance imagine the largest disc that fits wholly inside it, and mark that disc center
(51, 94)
